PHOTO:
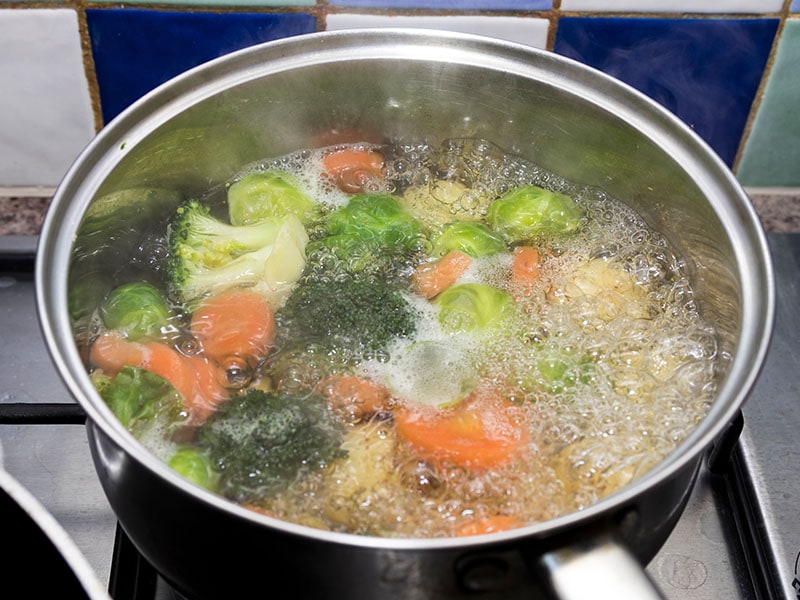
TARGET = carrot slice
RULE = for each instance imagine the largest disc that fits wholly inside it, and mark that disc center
(431, 279)
(353, 168)
(111, 351)
(195, 378)
(206, 390)
(236, 322)
(170, 364)
(483, 431)
(350, 395)
(525, 268)
(485, 525)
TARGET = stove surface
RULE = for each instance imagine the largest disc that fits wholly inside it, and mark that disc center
(738, 538)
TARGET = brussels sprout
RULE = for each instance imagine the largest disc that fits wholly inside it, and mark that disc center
(473, 239)
(530, 212)
(374, 234)
(141, 400)
(471, 307)
(195, 465)
(260, 196)
(138, 309)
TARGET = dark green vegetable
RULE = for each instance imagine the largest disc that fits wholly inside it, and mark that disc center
(471, 307)
(142, 400)
(530, 212)
(351, 315)
(373, 235)
(137, 309)
(473, 239)
(261, 441)
(259, 197)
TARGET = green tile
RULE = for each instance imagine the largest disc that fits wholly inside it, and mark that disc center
(771, 156)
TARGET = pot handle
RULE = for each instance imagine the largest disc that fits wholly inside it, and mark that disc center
(598, 568)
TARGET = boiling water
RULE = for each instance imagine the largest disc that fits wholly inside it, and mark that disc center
(611, 365)
(614, 295)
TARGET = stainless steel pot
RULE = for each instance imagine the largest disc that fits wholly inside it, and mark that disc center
(198, 129)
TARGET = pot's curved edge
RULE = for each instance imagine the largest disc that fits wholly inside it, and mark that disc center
(52, 530)
(61, 223)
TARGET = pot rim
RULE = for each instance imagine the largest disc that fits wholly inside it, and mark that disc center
(110, 145)
(77, 566)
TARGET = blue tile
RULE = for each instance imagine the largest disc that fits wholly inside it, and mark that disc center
(795, 6)
(136, 50)
(450, 4)
(706, 71)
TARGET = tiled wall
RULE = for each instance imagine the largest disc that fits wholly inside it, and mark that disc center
(729, 68)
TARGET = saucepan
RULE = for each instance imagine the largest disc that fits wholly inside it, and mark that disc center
(193, 132)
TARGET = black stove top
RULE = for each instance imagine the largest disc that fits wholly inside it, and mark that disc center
(739, 537)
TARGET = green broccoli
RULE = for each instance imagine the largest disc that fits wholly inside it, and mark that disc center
(373, 236)
(261, 441)
(352, 316)
(208, 254)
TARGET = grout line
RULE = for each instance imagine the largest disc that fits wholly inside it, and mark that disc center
(88, 64)
(755, 106)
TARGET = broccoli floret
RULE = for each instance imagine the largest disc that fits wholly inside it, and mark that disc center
(351, 316)
(261, 441)
(208, 254)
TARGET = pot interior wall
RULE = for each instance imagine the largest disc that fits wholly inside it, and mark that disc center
(562, 118)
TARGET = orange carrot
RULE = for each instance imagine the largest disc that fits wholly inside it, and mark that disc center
(236, 322)
(484, 525)
(170, 364)
(207, 392)
(349, 394)
(194, 377)
(111, 351)
(430, 279)
(525, 269)
(353, 168)
(481, 432)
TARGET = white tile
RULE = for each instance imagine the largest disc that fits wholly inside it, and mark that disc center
(530, 31)
(675, 6)
(45, 109)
